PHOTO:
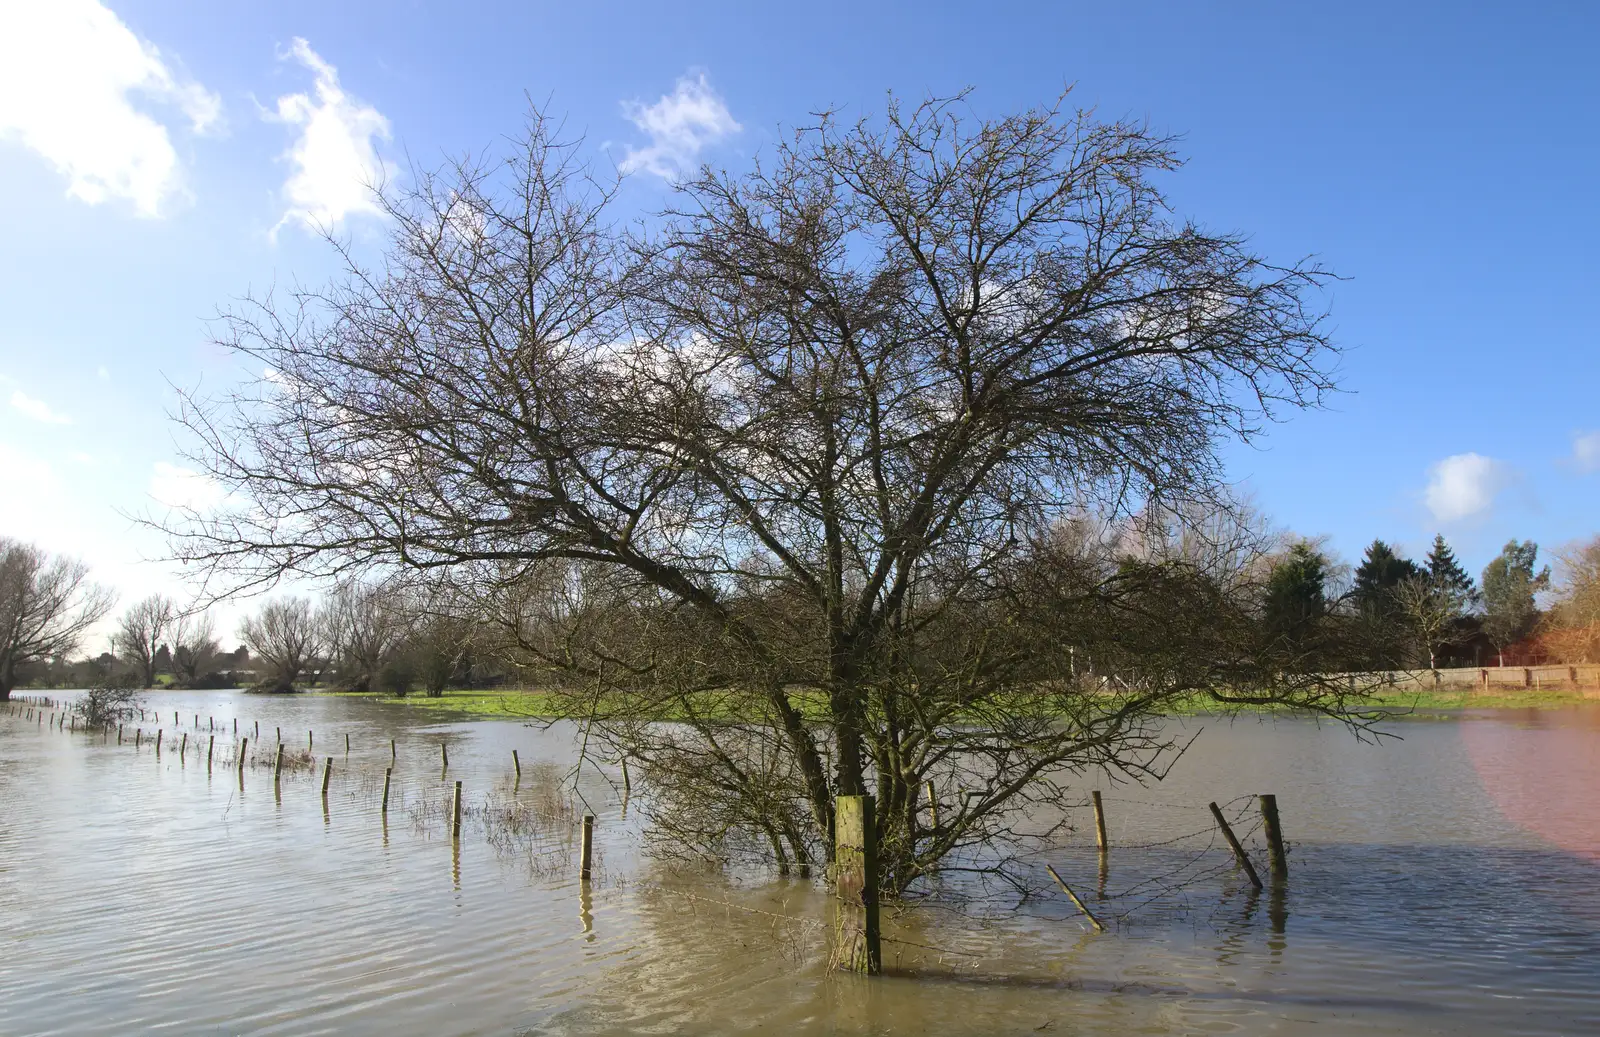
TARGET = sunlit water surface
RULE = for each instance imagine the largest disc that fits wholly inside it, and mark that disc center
(1448, 882)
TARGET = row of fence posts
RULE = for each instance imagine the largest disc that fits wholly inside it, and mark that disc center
(858, 929)
(858, 932)
(586, 844)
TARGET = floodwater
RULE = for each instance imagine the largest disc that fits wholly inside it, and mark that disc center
(1448, 882)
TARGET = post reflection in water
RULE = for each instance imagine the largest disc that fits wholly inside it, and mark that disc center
(1421, 903)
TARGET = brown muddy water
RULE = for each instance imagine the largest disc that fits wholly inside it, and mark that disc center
(1448, 882)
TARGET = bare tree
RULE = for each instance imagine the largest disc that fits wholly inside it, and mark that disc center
(140, 634)
(194, 647)
(1432, 610)
(284, 637)
(364, 626)
(1572, 629)
(47, 605)
(789, 469)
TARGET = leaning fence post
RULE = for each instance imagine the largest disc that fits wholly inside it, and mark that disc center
(856, 883)
(244, 749)
(277, 764)
(586, 848)
(1098, 925)
(1238, 851)
(183, 748)
(1274, 832)
(516, 763)
(211, 747)
(455, 814)
(347, 743)
(444, 755)
(327, 772)
(1099, 824)
(387, 773)
(393, 753)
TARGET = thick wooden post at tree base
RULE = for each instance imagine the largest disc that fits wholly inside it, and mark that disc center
(1233, 843)
(1274, 831)
(857, 936)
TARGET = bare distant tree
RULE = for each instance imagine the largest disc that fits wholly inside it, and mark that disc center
(1432, 610)
(364, 624)
(47, 604)
(194, 647)
(1572, 629)
(284, 638)
(790, 468)
(140, 634)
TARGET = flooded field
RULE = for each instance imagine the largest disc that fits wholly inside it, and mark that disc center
(1448, 882)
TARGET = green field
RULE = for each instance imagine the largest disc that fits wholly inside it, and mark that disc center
(521, 702)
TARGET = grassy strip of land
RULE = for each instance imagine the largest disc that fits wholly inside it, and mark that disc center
(531, 703)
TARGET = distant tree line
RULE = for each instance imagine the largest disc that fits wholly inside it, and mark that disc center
(1318, 614)
(1432, 613)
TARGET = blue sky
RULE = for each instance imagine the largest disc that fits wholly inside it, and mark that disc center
(158, 158)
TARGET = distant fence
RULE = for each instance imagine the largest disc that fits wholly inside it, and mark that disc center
(1584, 678)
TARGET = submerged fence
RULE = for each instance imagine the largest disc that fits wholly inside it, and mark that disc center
(1215, 840)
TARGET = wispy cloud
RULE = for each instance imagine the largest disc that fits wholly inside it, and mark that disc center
(69, 73)
(178, 487)
(1464, 486)
(335, 157)
(38, 410)
(1586, 451)
(680, 125)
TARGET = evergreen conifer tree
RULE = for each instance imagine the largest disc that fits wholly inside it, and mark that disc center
(1380, 572)
(1296, 596)
(1446, 573)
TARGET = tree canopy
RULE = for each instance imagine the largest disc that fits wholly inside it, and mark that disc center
(840, 463)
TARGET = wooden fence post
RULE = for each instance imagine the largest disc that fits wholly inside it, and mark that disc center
(388, 772)
(444, 755)
(1238, 851)
(586, 848)
(516, 763)
(211, 747)
(1099, 823)
(455, 814)
(1274, 831)
(158, 744)
(347, 743)
(859, 946)
(933, 805)
(327, 772)
(1098, 925)
(277, 765)
(244, 749)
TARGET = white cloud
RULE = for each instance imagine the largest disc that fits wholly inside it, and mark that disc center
(103, 373)
(178, 487)
(335, 157)
(680, 125)
(38, 410)
(1464, 486)
(1586, 452)
(69, 71)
